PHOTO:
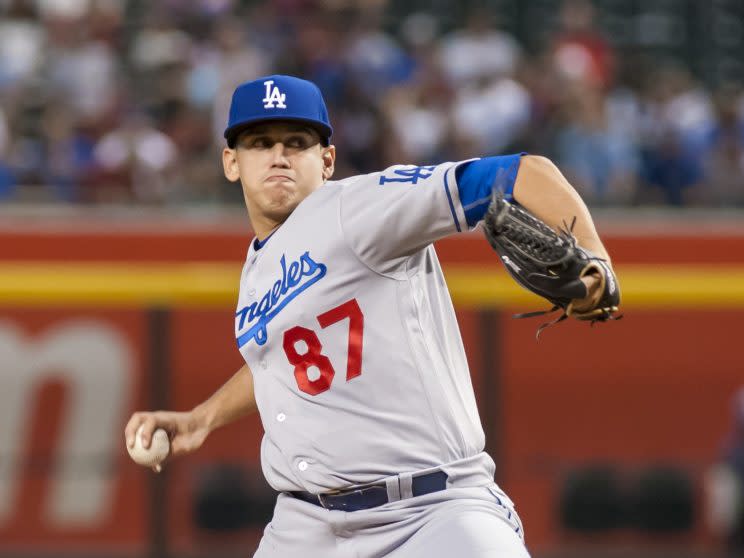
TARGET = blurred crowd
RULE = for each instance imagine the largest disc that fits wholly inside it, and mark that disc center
(119, 101)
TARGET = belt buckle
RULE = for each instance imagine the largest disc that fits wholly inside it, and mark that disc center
(323, 501)
(326, 504)
(323, 498)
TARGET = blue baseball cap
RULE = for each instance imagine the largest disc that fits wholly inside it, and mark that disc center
(277, 97)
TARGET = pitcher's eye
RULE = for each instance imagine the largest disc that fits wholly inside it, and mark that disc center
(261, 142)
(297, 142)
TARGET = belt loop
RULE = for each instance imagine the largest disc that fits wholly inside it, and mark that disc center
(405, 481)
(393, 490)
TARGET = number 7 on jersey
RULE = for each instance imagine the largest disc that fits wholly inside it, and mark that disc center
(313, 356)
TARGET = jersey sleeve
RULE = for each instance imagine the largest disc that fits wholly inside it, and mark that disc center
(390, 215)
(477, 179)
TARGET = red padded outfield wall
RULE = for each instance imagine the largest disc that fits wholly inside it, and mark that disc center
(651, 388)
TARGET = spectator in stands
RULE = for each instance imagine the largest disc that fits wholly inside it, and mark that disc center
(67, 152)
(579, 51)
(478, 51)
(134, 161)
(723, 164)
(420, 119)
(22, 39)
(676, 120)
(374, 57)
(83, 64)
(598, 156)
(491, 109)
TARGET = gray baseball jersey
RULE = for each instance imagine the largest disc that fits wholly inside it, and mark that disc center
(346, 323)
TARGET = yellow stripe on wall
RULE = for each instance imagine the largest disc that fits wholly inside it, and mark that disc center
(115, 284)
(197, 284)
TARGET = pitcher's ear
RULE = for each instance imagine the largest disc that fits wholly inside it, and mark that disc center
(329, 162)
(230, 164)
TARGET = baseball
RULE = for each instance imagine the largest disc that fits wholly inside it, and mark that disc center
(155, 454)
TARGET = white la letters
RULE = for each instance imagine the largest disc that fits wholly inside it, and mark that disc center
(274, 97)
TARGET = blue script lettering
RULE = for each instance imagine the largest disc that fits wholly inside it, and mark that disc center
(294, 271)
(281, 293)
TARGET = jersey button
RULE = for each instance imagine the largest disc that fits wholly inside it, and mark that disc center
(252, 292)
(263, 364)
(302, 465)
(281, 417)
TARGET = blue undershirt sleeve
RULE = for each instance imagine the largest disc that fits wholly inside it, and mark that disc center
(477, 179)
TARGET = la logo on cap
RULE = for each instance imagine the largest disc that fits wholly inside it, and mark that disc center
(273, 95)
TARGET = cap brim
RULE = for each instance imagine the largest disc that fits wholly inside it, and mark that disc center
(232, 133)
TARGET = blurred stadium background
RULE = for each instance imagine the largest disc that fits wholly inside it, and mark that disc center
(121, 245)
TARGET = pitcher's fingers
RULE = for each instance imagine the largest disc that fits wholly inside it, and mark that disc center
(149, 424)
(131, 428)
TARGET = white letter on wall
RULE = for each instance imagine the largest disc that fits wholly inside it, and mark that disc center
(94, 362)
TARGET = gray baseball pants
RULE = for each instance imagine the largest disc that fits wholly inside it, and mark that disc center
(476, 522)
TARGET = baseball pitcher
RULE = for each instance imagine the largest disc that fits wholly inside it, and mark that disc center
(353, 356)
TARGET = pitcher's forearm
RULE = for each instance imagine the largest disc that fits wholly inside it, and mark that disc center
(543, 190)
(232, 401)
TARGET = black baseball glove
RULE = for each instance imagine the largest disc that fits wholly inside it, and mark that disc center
(549, 263)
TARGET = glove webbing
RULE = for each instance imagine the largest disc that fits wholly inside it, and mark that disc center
(544, 248)
(606, 315)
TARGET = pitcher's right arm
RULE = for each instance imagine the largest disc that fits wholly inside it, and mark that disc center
(188, 430)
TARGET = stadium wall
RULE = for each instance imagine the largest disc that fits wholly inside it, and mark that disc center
(98, 321)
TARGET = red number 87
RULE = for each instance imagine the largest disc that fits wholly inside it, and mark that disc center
(313, 356)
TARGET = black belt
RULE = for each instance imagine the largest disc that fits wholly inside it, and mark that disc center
(372, 496)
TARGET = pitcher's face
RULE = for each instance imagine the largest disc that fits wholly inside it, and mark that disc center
(278, 164)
